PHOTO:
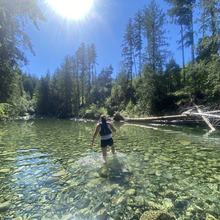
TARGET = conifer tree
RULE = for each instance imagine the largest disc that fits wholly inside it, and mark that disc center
(127, 49)
(89, 60)
(83, 68)
(75, 82)
(138, 42)
(77, 64)
(172, 73)
(210, 25)
(55, 86)
(149, 93)
(180, 15)
(94, 61)
(189, 34)
(67, 85)
(43, 95)
(29, 83)
(154, 31)
(189, 40)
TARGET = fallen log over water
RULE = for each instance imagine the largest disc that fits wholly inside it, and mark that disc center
(149, 119)
(205, 119)
(172, 119)
(187, 118)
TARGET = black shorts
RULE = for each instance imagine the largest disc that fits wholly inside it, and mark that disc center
(105, 143)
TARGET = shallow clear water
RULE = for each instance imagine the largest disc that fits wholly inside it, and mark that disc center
(50, 170)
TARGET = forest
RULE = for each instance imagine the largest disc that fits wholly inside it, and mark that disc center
(148, 80)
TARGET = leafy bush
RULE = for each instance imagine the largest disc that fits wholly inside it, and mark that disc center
(134, 111)
(112, 110)
(93, 111)
(4, 109)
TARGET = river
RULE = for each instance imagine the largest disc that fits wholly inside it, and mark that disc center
(50, 170)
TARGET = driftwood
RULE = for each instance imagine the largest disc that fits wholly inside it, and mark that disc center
(187, 118)
(170, 117)
(217, 111)
(183, 119)
(149, 119)
(205, 114)
(205, 119)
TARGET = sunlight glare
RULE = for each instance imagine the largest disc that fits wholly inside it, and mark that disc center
(71, 9)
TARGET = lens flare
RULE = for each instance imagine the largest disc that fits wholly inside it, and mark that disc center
(71, 9)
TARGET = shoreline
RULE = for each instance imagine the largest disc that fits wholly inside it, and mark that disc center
(133, 120)
(29, 117)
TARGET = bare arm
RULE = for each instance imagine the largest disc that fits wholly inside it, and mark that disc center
(112, 127)
(95, 133)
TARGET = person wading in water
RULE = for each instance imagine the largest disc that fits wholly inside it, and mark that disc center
(105, 129)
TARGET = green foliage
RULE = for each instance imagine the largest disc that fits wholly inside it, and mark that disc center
(43, 95)
(14, 16)
(8, 82)
(209, 21)
(4, 109)
(29, 83)
(93, 111)
(112, 110)
(147, 91)
(121, 89)
(172, 76)
(26, 106)
(213, 81)
(132, 110)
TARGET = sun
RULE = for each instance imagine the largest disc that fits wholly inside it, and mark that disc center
(71, 9)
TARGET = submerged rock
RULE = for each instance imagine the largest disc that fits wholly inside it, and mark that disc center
(130, 192)
(66, 217)
(120, 200)
(156, 215)
(210, 217)
(101, 214)
(4, 171)
(51, 180)
(4, 206)
(61, 173)
(180, 204)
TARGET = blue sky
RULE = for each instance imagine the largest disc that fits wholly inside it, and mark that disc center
(104, 26)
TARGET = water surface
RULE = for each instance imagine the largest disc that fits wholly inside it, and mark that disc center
(50, 170)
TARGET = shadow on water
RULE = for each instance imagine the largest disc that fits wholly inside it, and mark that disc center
(115, 170)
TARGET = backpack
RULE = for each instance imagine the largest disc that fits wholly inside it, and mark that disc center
(104, 129)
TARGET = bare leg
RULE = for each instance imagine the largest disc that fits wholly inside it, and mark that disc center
(113, 149)
(104, 152)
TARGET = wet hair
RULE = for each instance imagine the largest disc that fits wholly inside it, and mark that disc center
(103, 119)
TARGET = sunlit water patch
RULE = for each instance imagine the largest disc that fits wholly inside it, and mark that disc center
(50, 170)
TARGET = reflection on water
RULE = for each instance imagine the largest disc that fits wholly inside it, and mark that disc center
(50, 170)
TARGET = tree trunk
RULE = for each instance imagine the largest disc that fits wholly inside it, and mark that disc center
(135, 65)
(82, 87)
(89, 79)
(193, 57)
(77, 81)
(183, 58)
(213, 27)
